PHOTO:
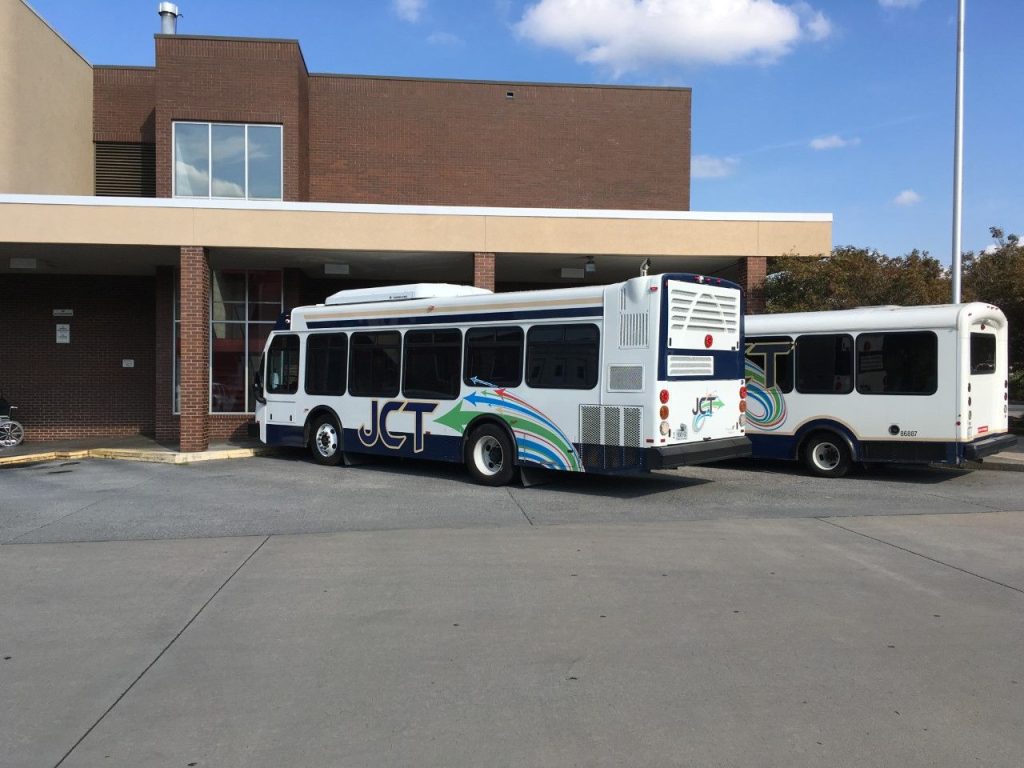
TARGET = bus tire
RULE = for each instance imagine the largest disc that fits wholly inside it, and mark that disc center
(826, 455)
(325, 441)
(489, 455)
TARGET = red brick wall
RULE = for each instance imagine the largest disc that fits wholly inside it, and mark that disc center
(753, 271)
(124, 103)
(254, 81)
(483, 270)
(67, 391)
(195, 349)
(381, 140)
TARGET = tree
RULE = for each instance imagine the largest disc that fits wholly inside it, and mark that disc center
(996, 276)
(854, 277)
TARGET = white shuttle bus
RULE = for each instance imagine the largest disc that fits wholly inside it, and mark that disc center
(644, 374)
(878, 384)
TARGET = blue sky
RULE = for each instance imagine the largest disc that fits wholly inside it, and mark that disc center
(840, 106)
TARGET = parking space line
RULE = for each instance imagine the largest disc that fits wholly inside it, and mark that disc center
(159, 655)
(919, 554)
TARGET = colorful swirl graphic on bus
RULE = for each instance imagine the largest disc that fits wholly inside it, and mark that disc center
(538, 438)
(704, 409)
(766, 407)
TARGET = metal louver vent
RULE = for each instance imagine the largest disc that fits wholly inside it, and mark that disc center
(697, 309)
(633, 330)
(625, 378)
(691, 365)
(610, 425)
(125, 170)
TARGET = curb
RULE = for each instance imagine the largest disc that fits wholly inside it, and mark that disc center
(122, 454)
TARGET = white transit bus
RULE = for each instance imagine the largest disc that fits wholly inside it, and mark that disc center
(878, 384)
(639, 375)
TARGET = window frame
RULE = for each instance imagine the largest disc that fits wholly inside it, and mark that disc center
(564, 326)
(970, 353)
(796, 363)
(269, 358)
(309, 356)
(209, 158)
(405, 362)
(351, 353)
(857, 367)
(494, 328)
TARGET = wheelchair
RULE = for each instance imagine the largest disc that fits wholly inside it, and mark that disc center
(11, 432)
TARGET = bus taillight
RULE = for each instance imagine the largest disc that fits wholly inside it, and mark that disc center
(743, 393)
(708, 341)
(663, 412)
(663, 396)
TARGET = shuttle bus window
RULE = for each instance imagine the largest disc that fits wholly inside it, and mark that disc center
(774, 356)
(824, 364)
(983, 353)
(905, 363)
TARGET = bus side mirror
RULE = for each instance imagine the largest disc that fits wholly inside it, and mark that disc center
(257, 387)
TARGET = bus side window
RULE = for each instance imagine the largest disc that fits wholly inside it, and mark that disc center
(824, 364)
(562, 356)
(283, 365)
(494, 356)
(374, 363)
(898, 363)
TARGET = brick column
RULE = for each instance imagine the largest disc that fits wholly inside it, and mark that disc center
(753, 271)
(195, 349)
(166, 421)
(483, 270)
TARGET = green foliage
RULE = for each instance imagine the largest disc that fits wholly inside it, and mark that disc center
(997, 277)
(854, 277)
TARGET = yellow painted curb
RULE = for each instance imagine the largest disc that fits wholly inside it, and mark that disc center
(127, 454)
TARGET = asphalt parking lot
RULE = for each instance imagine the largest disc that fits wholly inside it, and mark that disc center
(272, 612)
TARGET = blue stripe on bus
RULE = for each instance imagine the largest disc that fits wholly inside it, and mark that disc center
(531, 448)
(475, 317)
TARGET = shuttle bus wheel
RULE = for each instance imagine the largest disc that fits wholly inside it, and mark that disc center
(826, 455)
(325, 441)
(489, 455)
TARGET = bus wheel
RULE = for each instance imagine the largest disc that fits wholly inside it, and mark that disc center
(826, 455)
(489, 455)
(325, 441)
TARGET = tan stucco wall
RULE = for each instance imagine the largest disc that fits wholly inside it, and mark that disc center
(304, 229)
(45, 108)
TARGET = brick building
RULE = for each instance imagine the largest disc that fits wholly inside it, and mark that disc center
(154, 221)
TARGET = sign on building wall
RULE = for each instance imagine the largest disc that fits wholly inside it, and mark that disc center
(63, 333)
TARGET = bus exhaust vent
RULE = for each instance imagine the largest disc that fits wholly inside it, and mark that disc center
(625, 378)
(691, 365)
(698, 309)
(610, 425)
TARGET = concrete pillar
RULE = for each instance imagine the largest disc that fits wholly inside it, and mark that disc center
(195, 349)
(753, 271)
(483, 270)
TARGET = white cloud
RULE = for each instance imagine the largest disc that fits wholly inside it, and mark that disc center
(708, 167)
(409, 10)
(907, 197)
(627, 35)
(444, 38)
(835, 141)
(899, 3)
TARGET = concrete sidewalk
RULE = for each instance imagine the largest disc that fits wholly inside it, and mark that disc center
(841, 642)
(134, 448)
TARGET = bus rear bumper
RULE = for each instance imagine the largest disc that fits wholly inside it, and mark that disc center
(672, 456)
(989, 445)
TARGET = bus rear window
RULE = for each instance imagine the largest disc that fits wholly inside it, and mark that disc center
(983, 353)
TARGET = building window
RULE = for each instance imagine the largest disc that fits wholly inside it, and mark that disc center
(228, 160)
(244, 307)
(562, 356)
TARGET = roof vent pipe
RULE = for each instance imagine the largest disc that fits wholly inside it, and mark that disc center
(168, 18)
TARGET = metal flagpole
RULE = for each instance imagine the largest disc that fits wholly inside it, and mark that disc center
(958, 153)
